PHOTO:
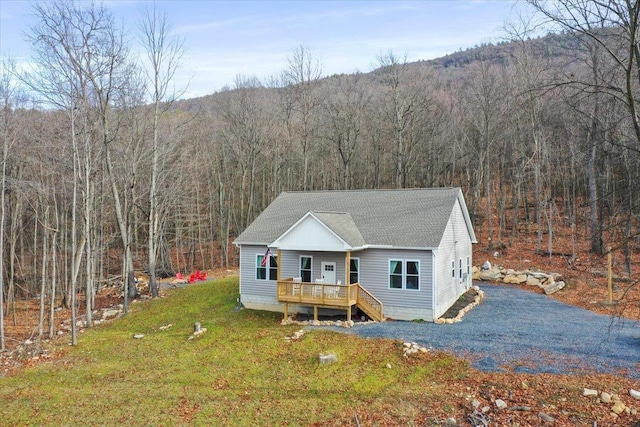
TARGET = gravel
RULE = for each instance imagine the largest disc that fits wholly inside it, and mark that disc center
(521, 331)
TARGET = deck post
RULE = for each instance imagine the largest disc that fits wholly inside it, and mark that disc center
(348, 313)
(315, 313)
(347, 268)
(286, 310)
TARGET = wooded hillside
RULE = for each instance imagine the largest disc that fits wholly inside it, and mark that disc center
(104, 172)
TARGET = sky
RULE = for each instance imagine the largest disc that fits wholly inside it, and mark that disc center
(224, 39)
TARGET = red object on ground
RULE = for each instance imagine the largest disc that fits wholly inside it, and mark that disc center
(197, 276)
(179, 276)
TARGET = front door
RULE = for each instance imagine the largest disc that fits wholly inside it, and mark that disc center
(329, 272)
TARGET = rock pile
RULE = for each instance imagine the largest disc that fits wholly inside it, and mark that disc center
(477, 300)
(618, 407)
(549, 282)
(410, 348)
(297, 336)
(340, 323)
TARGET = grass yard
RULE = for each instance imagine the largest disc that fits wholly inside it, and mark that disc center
(241, 372)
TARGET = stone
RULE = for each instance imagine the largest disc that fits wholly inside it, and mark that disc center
(485, 409)
(618, 408)
(349, 324)
(451, 422)
(546, 418)
(486, 266)
(532, 281)
(511, 279)
(388, 365)
(326, 359)
(475, 403)
(491, 275)
(475, 273)
(554, 287)
(635, 394)
(138, 336)
(110, 313)
(589, 392)
(500, 404)
(605, 397)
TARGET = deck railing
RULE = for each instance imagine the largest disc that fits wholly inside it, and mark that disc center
(330, 295)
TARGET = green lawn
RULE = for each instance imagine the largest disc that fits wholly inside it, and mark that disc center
(241, 372)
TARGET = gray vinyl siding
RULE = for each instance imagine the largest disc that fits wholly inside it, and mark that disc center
(248, 283)
(455, 245)
(290, 263)
(374, 277)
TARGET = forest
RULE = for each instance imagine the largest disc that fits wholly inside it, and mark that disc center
(106, 171)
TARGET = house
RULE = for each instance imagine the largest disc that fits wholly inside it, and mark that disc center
(403, 254)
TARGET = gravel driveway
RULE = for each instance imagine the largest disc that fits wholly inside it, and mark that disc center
(526, 332)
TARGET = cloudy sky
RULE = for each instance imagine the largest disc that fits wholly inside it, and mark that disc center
(224, 39)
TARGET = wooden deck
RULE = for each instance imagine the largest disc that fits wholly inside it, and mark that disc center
(329, 296)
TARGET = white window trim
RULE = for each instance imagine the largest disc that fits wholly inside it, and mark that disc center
(359, 265)
(404, 274)
(310, 266)
(267, 268)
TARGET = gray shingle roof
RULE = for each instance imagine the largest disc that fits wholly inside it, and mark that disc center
(409, 218)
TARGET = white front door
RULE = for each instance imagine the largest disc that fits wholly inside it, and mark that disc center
(329, 272)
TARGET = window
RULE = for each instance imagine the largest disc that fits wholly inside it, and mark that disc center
(395, 274)
(268, 271)
(404, 274)
(413, 275)
(354, 270)
(468, 266)
(460, 267)
(453, 269)
(273, 267)
(305, 268)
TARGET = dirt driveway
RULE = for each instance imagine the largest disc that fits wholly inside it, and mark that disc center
(523, 331)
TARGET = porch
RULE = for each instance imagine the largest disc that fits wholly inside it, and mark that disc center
(328, 295)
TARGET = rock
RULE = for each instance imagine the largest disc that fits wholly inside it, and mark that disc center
(110, 313)
(486, 266)
(451, 422)
(491, 275)
(475, 273)
(485, 409)
(635, 394)
(475, 403)
(605, 397)
(553, 287)
(388, 365)
(349, 324)
(138, 336)
(540, 276)
(589, 392)
(618, 408)
(546, 418)
(532, 281)
(511, 278)
(326, 359)
(500, 404)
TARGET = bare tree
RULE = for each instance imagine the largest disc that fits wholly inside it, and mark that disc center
(164, 54)
(302, 77)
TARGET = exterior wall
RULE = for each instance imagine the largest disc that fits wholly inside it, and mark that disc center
(252, 291)
(455, 245)
(400, 304)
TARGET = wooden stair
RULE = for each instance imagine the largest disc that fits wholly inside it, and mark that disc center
(371, 305)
